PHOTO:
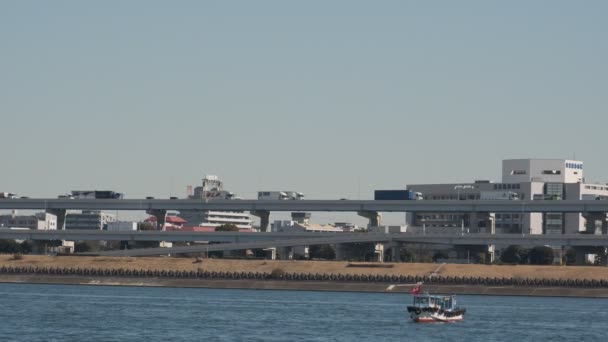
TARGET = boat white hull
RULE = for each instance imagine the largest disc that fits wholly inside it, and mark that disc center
(430, 315)
(432, 318)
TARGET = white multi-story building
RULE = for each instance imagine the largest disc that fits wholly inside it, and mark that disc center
(88, 219)
(213, 189)
(42, 221)
(120, 226)
(522, 179)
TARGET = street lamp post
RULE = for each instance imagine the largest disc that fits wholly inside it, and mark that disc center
(459, 187)
(521, 218)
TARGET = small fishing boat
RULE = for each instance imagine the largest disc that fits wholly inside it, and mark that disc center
(429, 308)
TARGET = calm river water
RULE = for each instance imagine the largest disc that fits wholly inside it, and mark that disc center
(97, 313)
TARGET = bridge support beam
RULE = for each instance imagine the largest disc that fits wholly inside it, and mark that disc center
(285, 253)
(39, 247)
(342, 251)
(481, 222)
(161, 217)
(395, 247)
(271, 253)
(374, 217)
(264, 216)
(596, 223)
(379, 252)
(60, 213)
(580, 256)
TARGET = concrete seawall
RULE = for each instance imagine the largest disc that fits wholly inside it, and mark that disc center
(304, 285)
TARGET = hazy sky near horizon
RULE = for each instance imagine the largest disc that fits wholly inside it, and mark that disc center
(331, 98)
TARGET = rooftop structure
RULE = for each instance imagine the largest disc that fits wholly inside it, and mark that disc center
(212, 188)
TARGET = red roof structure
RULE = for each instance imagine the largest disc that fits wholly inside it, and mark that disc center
(201, 229)
(169, 219)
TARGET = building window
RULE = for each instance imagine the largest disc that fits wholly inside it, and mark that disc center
(518, 172)
(552, 172)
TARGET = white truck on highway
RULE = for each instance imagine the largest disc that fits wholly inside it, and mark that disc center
(93, 194)
(280, 195)
(8, 195)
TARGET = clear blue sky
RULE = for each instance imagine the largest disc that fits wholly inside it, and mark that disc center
(331, 98)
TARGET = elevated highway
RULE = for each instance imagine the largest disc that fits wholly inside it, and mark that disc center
(239, 240)
(569, 240)
(295, 238)
(369, 209)
(151, 235)
(523, 206)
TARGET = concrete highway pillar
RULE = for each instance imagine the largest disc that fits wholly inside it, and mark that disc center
(480, 222)
(285, 253)
(272, 252)
(60, 214)
(341, 251)
(39, 246)
(161, 217)
(491, 253)
(591, 224)
(374, 217)
(395, 251)
(473, 226)
(264, 216)
(379, 252)
(580, 256)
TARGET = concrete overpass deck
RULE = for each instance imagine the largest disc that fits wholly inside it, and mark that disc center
(569, 240)
(524, 206)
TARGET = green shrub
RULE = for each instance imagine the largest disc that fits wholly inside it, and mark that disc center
(277, 273)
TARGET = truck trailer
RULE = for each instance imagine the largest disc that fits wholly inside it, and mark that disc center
(95, 194)
(397, 195)
(7, 195)
(280, 195)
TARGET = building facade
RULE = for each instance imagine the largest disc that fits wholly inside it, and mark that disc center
(42, 221)
(522, 179)
(88, 219)
(121, 226)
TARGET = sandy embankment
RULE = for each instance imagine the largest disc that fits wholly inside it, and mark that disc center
(330, 267)
(302, 267)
